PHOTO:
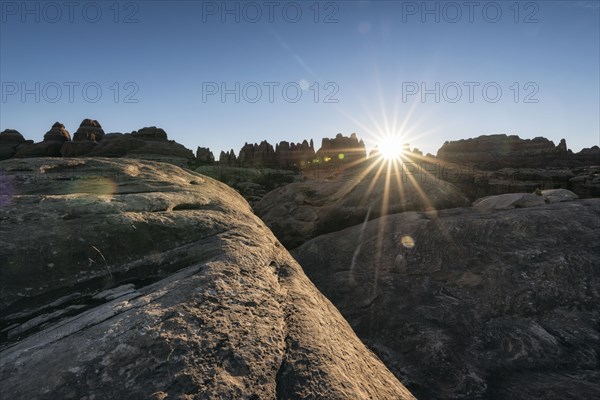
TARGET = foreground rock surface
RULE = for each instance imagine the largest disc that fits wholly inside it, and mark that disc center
(301, 211)
(468, 304)
(153, 282)
(523, 200)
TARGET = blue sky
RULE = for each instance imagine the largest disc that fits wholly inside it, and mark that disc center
(346, 66)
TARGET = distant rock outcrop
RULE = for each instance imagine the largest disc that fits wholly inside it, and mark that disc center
(470, 304)
(490, 152)
(204, 155)
(285, 155)
(89, 129)
(588, 156)
(147, 143)
(50, 146)
(292, 155)
(10, 143)
(150, 143)
(343, 149)
(261, 154)
(151, 133)
(228, 159)
(129, 279)
(58, 133)
(587, 182)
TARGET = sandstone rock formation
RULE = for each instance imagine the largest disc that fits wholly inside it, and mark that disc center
(89, 129)
(587, 182)
(151, 133)
(165, 151)
(292, 155)
(476, 183)
(588, 156)
(301, 211)
(252, 183)
(261, 154)
(523, 200)
(463, 304)
(90, 140)
(77, 149)
(343, 149)
(204, 155)
(229, 159)
(489, 152)
(57, 133)
(131, 279)
(10, 143)
(50, 146)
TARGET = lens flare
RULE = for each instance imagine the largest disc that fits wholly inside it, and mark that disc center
(407, 242)
(100, 186)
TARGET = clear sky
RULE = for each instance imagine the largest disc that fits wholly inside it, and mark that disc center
(219, 74)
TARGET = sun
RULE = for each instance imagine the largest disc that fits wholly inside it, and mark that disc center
(390, 147)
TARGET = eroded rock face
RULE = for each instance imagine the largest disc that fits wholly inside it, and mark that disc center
(150, 133)
(476, 183)
(489, 152)
(40, 149)
(11, 136)
(292, 155)
(261, 154)
(587, 182)
(77, 149)
(149, 143)
(341, 148)
(203, 154)
(49, 147)
(132, 279)
(89, 129)
(228, 158)
(57, 133)
(468, 304)
(300, 211)
(11, 141)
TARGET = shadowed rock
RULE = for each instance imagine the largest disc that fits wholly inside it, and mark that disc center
(150, 133)
(463, 304)
(343, 149)
(228, 159)
(49, 147)
(57, 133)
(489, 152)
(294, 155)
(132, 279)
(10, 143)
(204, 155)
(41, 149)
(257, 155)
(523, 200)
(301, 211)
(89, 129)
(77, 149)
(587, 182)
